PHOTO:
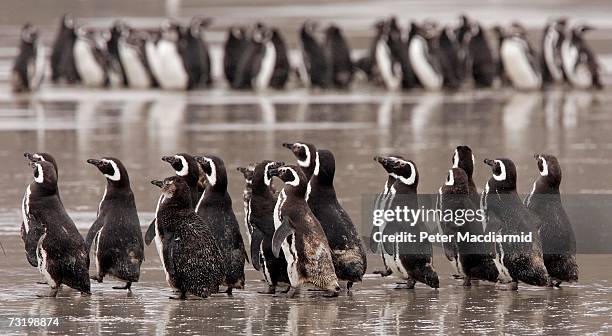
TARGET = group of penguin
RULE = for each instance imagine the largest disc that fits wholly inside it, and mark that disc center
(424, 55)
(298, 236)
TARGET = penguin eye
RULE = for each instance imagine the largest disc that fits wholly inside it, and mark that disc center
(497, 169)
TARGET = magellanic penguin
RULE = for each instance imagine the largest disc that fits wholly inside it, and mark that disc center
(520, 60)
(448, 54)
(115, 233)
(60, 250)
(556, 232)
(464, 158)
(422, 58)
(579, 61)
(259, 200)
(256, 65)
(411, 261)
(89, 59)
(235, 44)
(299, 233)
(522, 259)
(480, 61)
(186, 167)
(338, 55)
(552, 40)
(347, 249)
(215, 208)
(282, 67)
(313, 68)
(62, 56)
(172, 71)
(132, 53)
(112, 47)
(500, 35)
(195, 54)
(29, 65)
(384, 61)
(474, 260)
(32, 231)
(188, 249)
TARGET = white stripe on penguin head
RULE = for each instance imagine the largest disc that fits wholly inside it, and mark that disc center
(544, 171)
(502, 174)
(306, 161)
(40, 178)
(317, 164)
(267, 179)
(212, 178)
(39, 157)
(185, 170)
(296, 177)
(450, 180)
(116, 173)
(456, 159)
(406, 180)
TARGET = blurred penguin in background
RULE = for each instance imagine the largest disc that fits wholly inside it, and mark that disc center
(62, 57)
(29, 66)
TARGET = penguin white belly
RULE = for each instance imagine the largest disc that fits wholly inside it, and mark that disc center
(135, 71)
(385, 66)
(174, 76)
(264, 265)
(159, 243)
(517, 66)
(43, 262)
(38, 73)
(90, 71)
(247, 222)
(550, 40)
(153, 60)
(396, 264)
(262, 81)
(25, 209)
(97, 248)
(288, 249)
(301, 67)
(427, 74)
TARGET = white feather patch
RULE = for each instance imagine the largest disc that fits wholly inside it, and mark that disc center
(40, 178)
(502, 174)
(116, 173)
(185, 169)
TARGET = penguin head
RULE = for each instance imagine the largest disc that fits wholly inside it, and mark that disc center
(29, 34)
(333, 31)
(112, 169)
(175, 190)
(198, 24)
(305, 153)
(214, 170)
(517, 30)
(456, 182)
(260, 179)
(310, 26)
(579, 30)
(464, 159)
(325, 167)
(42, 156)
(236, 33)
(247, 172)
(183, 164)
(402, 170)
(170, 30)
(293, 177)
(504, 175)
(549, 168)
(68, 21)
(45, 177)
(261, 33)
(499, 32)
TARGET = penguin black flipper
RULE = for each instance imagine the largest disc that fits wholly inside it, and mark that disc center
(281, 233)
(150, 234)
(256, 238)
(31, 240)
(91, 235)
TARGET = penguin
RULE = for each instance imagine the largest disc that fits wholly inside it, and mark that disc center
(235, 45)
(500, 35)
(189, 252)
(282, 68)
(338, 55)
(29, 65)
(31, 231)
(195, 53)
(400, 48)
(132, 55)
(552, 40)
(580, 64)
(425, 65)
(256, 65)
(259, 201)
(474, 260)
(481, 63)
(60, 249)
(520, 61)
(187, 168)
(115, 233)
(89, 59)
(448, 54)
(348, 253)
(556, 232)
(172, 71)
(523, 260)
(313, 69)
(112, 46)
(62, 56)
(384, 57)
(299, 233)
(215, 209)
(464, 158)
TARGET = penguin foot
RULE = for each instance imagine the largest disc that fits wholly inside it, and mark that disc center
(42, 283)
(457, 276)
(183, 296)
(411, 283)
(384, 273)
(284, 291)
(229, 291)
(349, 285)
(85, 293)
(509, 286)
(467, 282)
(97, 278)
(557, 284)
(271, 290)
(291, 292)
(331, 294)
(51, 293)
(128, 286)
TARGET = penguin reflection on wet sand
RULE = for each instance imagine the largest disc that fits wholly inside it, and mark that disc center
(475, 261)
(115, 234)
(188, 249)
(347, 249)
(60, 252)
(186, 167)
(556, 232)
(523, 260)
(301, 236)
(29, 66)
(411, 261)
(259, 201)
(215, 209)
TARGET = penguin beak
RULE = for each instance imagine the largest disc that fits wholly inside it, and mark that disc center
(97, 163)
(536, 156)
(273, 172)
(157, 183)
(489, 162)
(170, 159)
(243, 170)
(288, 145)
(33, 164)
(29, 156)
(586, 28)
(381, 159)
(278, 164)
(200, 159)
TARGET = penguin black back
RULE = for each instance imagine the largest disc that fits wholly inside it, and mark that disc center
(481, 61)
(235, 46)
(282, 68)
(338, 57)
(314, 57)
(62, 58)
(305, 154)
